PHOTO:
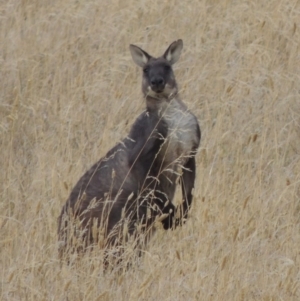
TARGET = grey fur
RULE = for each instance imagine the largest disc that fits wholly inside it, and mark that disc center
(134, 184)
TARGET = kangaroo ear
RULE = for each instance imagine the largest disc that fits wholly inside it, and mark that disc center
(139, 56)
(173, 52)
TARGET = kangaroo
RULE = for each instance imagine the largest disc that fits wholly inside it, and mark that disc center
(134, 184)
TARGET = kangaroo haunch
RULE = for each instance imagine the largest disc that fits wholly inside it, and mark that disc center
(134, 184)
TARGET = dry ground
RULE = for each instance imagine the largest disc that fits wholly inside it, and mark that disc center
(69, 91)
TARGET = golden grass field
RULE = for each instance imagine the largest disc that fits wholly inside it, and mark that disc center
(70, 91)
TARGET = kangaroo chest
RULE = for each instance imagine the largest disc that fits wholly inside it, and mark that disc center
(182, 137)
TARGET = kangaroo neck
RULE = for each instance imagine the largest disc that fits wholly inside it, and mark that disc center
(160, 105)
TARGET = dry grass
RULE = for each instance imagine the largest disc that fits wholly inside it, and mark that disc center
(69, 91)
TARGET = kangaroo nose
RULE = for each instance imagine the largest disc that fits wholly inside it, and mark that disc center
(157, 81)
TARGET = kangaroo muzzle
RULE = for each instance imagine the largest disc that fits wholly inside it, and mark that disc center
(157, 84)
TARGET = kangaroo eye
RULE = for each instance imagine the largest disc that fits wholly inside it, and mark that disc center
(167, 68)
(146, 70)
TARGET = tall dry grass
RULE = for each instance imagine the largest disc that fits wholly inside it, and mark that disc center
(69, 91)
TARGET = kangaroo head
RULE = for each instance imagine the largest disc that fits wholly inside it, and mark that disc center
(158, 77)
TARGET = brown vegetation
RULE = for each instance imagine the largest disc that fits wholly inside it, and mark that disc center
(69, 92)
